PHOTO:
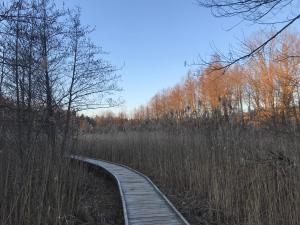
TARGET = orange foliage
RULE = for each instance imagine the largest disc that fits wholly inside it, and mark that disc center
(266, 86)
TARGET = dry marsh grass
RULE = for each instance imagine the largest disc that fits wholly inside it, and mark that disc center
(45, 188)
(232, 176)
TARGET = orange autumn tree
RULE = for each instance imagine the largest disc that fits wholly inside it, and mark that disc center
(215, 92)
(273, 78)
(189, 88)
(264, 88)
(288, 76)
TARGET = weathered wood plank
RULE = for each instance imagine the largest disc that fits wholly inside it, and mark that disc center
(143, 203)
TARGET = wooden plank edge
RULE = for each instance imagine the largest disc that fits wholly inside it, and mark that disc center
(85, 160)
(150, 181)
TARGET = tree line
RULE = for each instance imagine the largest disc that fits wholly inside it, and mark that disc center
(265, 88)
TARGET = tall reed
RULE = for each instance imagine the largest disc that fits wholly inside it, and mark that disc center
(226, 175)
(39, 187)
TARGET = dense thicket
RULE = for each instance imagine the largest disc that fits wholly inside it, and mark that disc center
(49, 69)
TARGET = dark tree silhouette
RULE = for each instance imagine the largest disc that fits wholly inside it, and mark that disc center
(256, 11)
(49, 70)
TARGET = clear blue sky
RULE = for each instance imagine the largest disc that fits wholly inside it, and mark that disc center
(153, 38)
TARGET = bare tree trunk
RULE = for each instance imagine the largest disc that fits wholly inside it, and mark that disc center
(50, 126)
(70, 100)
(241, 106)
(295, 114)
(22, 95)
(2, 72)
(249, 107)
(19, 125)
(224, 102)
(29, 99)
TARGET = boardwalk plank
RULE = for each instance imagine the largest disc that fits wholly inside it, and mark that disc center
(143, 203)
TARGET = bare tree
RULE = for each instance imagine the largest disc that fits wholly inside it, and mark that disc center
(2, 70)
(91, 79)
(52, 55)
(50, 67)
(11, 57)
(256, 11)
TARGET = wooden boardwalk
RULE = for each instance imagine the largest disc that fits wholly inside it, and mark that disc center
(143, 203)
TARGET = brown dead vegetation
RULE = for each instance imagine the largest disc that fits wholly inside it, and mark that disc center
(226, 175)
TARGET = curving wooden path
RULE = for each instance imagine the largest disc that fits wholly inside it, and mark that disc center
(143, 203)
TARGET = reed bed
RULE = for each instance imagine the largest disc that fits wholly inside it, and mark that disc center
(37, 188)
(225, 175)
(42, 187)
